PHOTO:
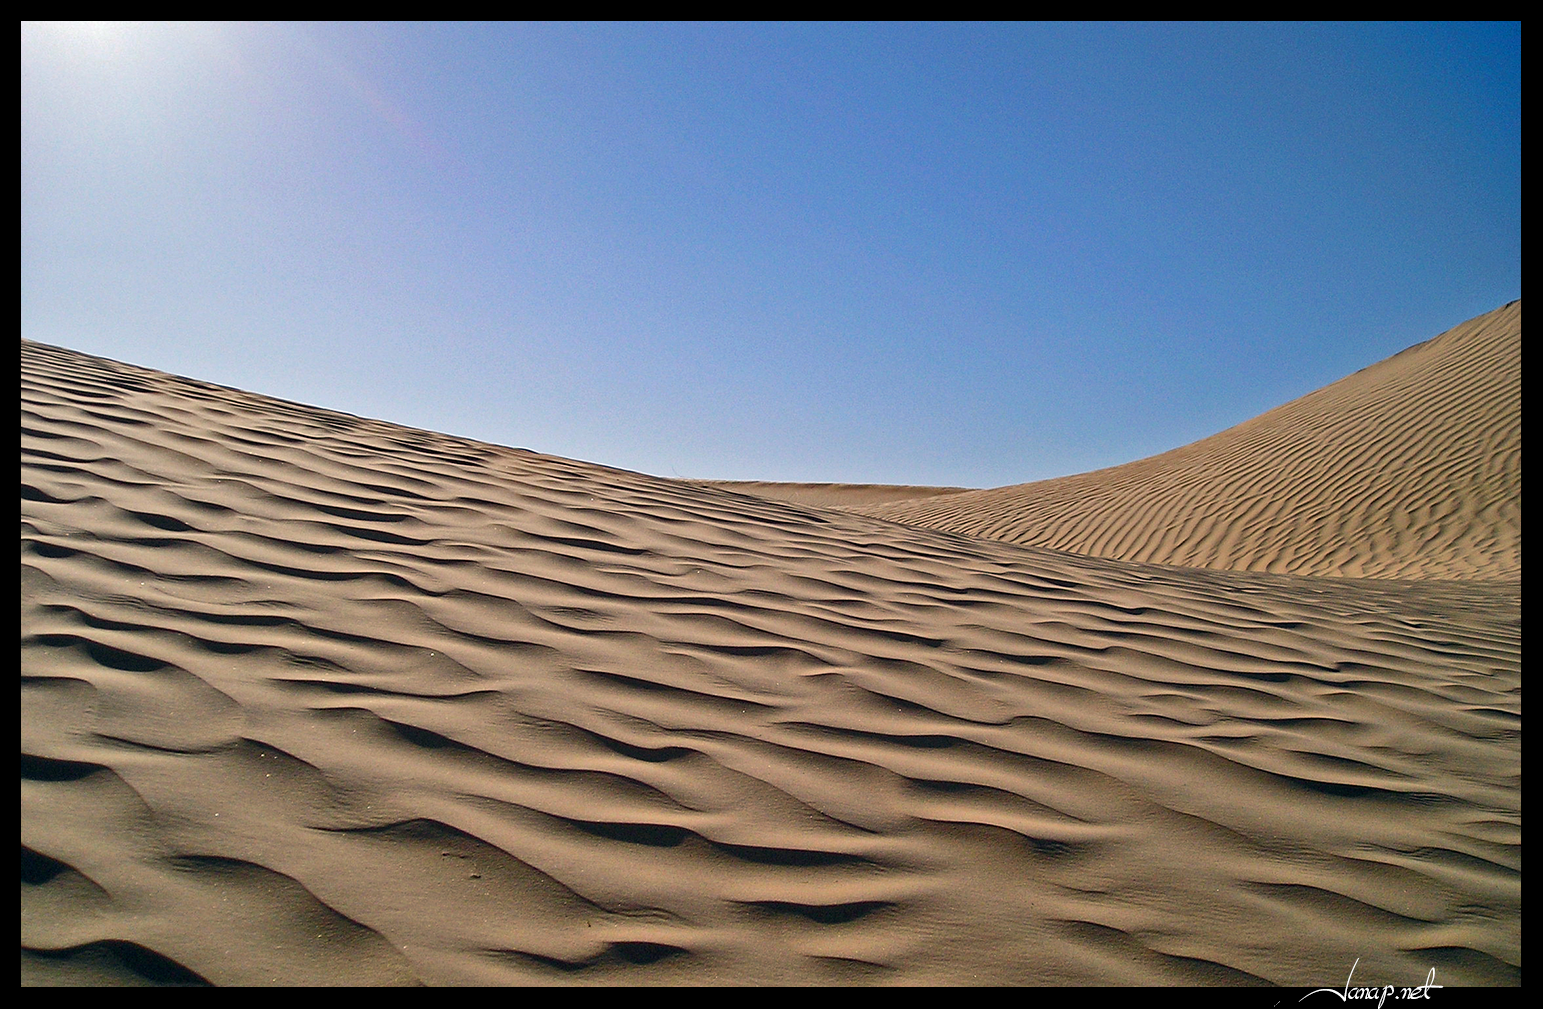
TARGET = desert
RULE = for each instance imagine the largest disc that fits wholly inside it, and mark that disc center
(309, 698)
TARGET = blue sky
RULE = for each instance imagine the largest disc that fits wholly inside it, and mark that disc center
(972, 254)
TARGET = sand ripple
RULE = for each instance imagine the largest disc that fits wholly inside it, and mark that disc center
(313, 699)
(1408, 469)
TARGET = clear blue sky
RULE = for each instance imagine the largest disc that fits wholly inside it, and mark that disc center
(972, 254)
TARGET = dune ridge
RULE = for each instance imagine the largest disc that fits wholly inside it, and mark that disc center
(313, 699)
(852, 496)
(1410, 468)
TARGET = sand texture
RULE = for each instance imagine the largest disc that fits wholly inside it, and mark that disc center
(311, 699)
(1408, 469)
(849, 496)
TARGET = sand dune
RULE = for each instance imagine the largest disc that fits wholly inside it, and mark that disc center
(1408, 469)
(311, 699)
(851, 496)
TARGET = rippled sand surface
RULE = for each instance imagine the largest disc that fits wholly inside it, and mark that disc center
(311, 699)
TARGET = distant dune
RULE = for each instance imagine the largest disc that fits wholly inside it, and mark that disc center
(1408, 469)
(850, 496)
(312, 699)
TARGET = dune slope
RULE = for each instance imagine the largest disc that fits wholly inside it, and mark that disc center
(1410, 468)
(310, 699)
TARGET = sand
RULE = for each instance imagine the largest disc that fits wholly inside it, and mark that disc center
(312, 699)
(1408, 469)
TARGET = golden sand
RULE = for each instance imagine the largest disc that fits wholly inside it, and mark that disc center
(311, 699)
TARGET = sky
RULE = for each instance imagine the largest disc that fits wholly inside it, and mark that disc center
(948, 254)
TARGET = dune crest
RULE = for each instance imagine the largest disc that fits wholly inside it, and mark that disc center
(1410, 468)
(313, 699)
